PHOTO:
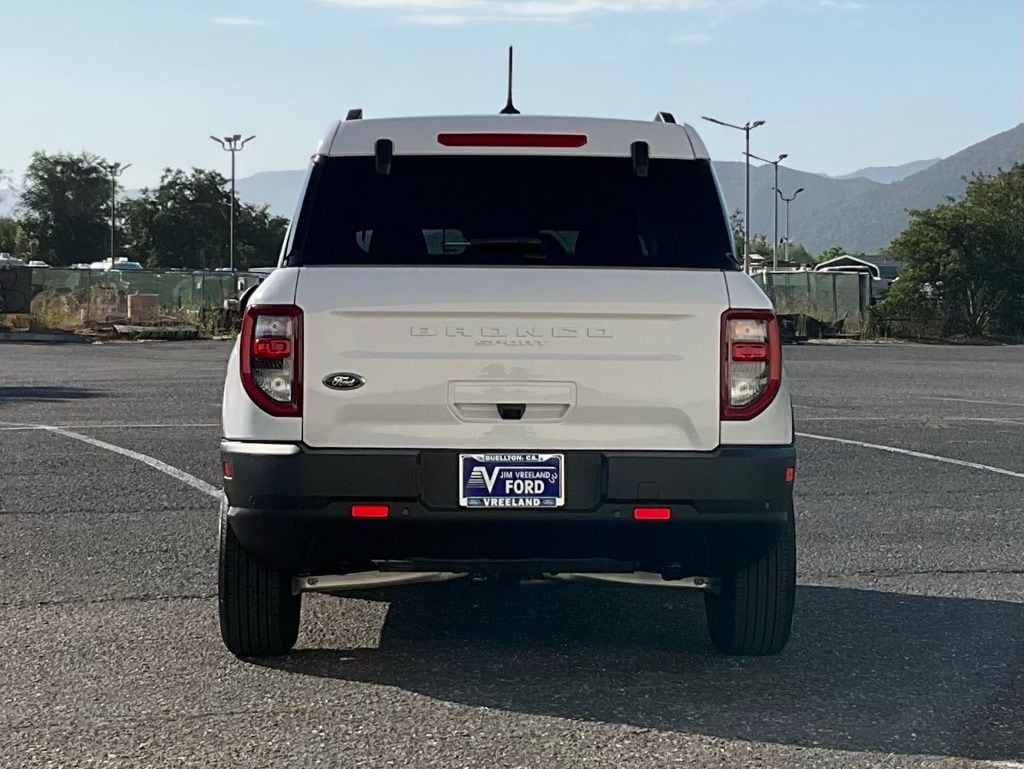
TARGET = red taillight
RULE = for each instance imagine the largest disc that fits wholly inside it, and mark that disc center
(511, 140)
(652, 513)
(271, 358)
(370, 511)
(272, 349)
(229, 469)
(751, 362)
(747, 353)
(790, 474)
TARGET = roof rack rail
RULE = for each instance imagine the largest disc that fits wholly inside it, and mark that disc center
(354, 114)
(664, 117)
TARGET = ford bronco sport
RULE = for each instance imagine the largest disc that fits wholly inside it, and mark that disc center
(508, 345)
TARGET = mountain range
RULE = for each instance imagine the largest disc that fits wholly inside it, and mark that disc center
(861, 211)
(890, 174)
(858, 213)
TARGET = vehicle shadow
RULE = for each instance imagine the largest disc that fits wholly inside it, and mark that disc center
(865, 670)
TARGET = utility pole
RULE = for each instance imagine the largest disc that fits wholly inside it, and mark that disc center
(233, 144)
(114, 170)
(788, 201)
(775, 200)
(746, 128)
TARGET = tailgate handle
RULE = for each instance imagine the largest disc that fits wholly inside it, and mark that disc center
(511, 401)
(511, 411)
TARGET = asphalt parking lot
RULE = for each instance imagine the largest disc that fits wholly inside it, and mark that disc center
(907, 649)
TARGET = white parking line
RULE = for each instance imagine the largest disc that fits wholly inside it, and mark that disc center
(213, 491)
(918, 454)
(156, 464)
(100, 426)
(849, 419)
(968, 400)
(908, 418)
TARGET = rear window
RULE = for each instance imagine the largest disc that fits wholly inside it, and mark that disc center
(498, 211)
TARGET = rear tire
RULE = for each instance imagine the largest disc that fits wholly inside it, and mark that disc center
(753, 612)
(259, 614)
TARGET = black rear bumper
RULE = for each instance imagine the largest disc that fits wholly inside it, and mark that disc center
(295, 510)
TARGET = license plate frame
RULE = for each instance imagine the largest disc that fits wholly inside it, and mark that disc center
(505, 480)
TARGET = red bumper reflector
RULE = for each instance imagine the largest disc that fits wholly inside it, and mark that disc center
(370, 511)
(752, 352)
(510, 140)
(790, 474)
(273, 348)
(651, 513)
(229, 470)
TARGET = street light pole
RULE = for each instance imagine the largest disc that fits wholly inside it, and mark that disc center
(788, 201)
(775, 200)
(746, 128)
(115, 170)
(233, 144)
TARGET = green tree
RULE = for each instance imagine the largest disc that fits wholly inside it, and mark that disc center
(834, 252)
(831, 253)
(797, 253)
(183, 223)
(762, 244)
(759, 244)
(258, 236)
(967, 256)
(66, 208)
(8, 234)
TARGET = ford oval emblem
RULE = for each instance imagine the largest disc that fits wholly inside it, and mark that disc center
(344, 381)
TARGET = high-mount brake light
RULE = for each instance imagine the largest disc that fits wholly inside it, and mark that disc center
(751, 363)
(511, 140)
(271, 358)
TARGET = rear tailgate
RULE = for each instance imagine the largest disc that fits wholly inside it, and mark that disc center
(599, 358)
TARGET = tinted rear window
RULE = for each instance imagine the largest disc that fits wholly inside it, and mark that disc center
(497, 211)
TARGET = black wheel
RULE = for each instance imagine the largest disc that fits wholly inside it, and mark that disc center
(259, 614)
(753, 612)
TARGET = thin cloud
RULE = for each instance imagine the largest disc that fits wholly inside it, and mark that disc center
(439, 19)
(691, 38)
(240, 21)
(448, 12)
(843, 5)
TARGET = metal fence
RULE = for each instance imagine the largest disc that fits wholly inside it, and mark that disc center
(73, 299)
(836, 299)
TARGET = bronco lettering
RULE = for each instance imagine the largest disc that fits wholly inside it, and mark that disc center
(521, 332)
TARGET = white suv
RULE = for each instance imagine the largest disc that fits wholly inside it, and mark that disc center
(508, 345)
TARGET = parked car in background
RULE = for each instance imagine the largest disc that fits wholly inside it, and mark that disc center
(121, 264)
(38, 263)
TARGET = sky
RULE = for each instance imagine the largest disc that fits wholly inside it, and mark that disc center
(841, 84)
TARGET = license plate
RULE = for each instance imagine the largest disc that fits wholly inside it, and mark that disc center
(511, 480)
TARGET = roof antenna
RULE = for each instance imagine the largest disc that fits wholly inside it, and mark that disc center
(510, 108)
